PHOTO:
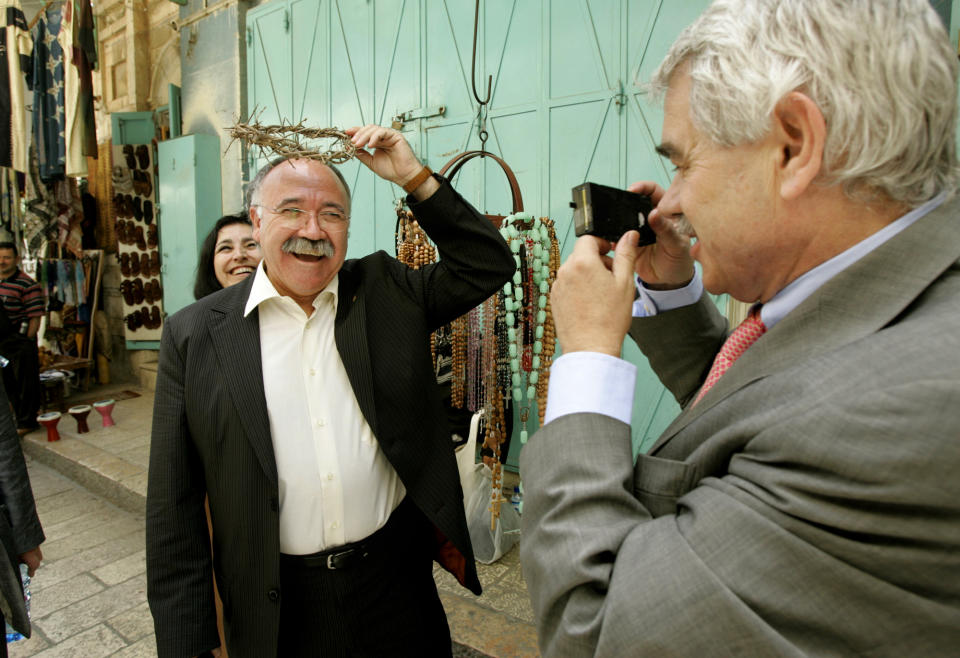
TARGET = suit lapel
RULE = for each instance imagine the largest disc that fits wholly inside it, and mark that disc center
(857, 302)
(236, 340)
(350, 333)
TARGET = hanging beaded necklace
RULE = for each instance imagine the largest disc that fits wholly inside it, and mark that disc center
(525, 302)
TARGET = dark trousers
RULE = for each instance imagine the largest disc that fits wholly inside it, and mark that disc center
(21, 377)
(382, 606)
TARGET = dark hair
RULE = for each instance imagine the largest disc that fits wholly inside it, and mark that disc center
(9, 245)
(207, 282)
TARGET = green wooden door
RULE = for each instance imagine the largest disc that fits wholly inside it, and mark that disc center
(565, 107)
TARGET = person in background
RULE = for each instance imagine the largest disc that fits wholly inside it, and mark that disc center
(228, 255)
(806, 501)
(22, 308)
(20, 530)
(303, 402)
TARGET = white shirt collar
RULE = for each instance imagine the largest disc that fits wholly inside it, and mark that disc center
(262, 290)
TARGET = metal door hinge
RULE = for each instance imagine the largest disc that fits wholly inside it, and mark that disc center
(419, 113)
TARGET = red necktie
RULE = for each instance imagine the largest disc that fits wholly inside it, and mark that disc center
(745, 335)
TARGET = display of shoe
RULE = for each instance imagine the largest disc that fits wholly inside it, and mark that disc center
(128, 155)
(147, 184)
(126, 289)
(134, 320)
(148, 212)
(152, 235)
(143, 156)
(125, 264)
(155, 261)
(155, 318)
(134, 265)
(137, 291)
(145, 269)
(138, 238)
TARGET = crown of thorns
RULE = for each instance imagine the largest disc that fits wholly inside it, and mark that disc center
(289, 141)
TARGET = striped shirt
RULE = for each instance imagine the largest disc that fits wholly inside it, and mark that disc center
(22, 298)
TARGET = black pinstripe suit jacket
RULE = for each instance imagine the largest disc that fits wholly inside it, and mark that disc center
(211, 431)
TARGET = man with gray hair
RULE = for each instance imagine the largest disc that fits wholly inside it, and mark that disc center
(302, 402)
(806, 500)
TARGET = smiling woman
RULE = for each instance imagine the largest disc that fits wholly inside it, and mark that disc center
(229, 254)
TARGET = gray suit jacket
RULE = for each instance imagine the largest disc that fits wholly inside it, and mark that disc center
(808, 505)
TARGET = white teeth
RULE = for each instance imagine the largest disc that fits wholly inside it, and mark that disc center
(243, 270)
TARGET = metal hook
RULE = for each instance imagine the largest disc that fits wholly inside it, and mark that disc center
(473, 59)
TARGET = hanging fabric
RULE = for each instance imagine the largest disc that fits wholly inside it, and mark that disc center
(49, 120)
(15, 49)
(80, 56)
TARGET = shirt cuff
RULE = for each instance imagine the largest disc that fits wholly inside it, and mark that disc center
(590, 382)
(651, 302)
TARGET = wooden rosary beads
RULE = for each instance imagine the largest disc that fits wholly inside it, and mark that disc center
(549, 328)
(413, 246)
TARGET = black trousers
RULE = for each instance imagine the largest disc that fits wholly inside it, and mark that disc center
(21, 377)
(383, 605)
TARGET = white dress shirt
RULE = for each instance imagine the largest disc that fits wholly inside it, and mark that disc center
(587, 382)
(322, 444)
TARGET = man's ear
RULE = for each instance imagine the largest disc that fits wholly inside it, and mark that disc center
(254, 214)
(801, 133)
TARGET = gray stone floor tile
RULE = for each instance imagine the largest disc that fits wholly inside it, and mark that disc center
(85, 614)
(90, 515)
(95, 642)
(51, 599)
(134, 624)
(145, 648)
(51, 573)
(80, 541)
(124, 569)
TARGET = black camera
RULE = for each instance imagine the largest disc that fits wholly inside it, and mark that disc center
(608, 213)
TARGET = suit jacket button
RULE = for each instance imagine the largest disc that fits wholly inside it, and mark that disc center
(274, 595)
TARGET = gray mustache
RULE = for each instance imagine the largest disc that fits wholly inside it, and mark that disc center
(308, 247)
(681, 225)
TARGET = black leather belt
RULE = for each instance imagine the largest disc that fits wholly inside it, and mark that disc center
(350, 555)
(338, 558)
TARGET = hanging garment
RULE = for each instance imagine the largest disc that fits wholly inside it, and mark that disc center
(15, 49)
(80, 56)
(40, 208)
(79, 283)
(49, 120)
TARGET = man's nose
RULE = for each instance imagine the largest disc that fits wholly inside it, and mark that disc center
(670, 203)
(313, 228)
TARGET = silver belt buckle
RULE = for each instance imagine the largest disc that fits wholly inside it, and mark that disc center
(333, 555)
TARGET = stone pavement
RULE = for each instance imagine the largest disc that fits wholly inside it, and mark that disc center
(89, 597)
(90, 593)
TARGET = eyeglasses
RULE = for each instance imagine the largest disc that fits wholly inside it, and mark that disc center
(332, 220)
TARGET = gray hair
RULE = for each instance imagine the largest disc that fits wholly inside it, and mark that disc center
(882, 72)
(253, 189)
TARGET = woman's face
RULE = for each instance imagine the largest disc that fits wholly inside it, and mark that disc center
(235, 255)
